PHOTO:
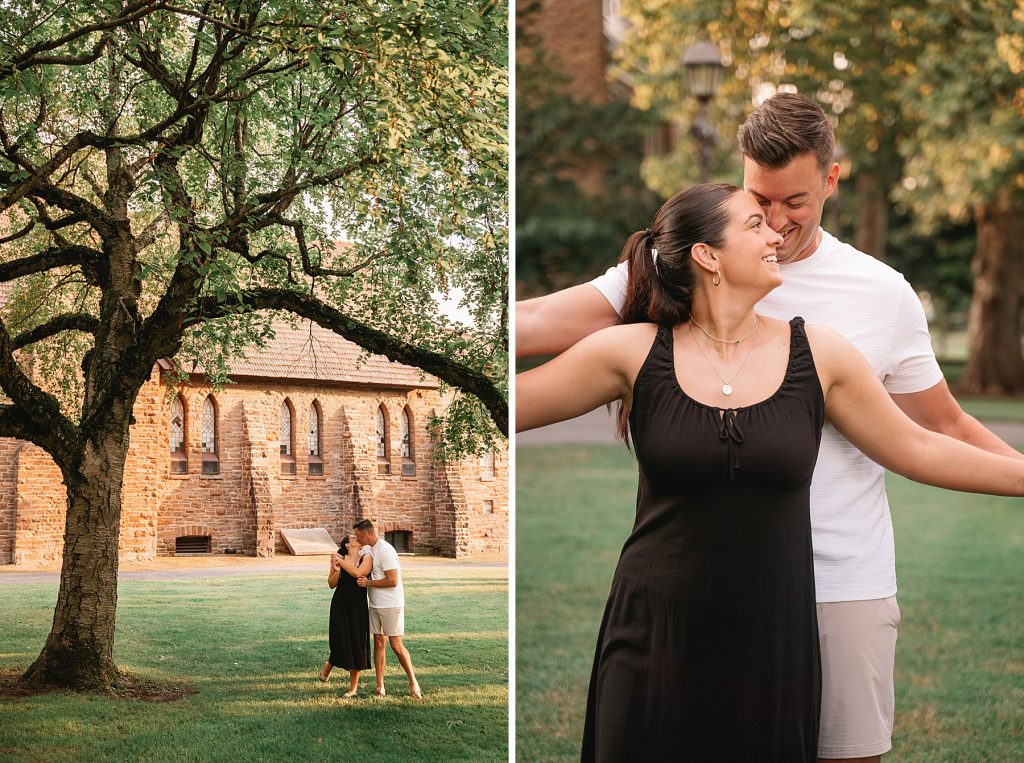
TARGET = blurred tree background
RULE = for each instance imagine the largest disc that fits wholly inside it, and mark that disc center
(928, 103)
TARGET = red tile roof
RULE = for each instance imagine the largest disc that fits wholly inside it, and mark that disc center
(309, 352)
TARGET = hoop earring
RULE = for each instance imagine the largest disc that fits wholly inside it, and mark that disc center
(717, 279)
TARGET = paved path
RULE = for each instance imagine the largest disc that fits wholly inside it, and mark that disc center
(192, 567)
(599, 427)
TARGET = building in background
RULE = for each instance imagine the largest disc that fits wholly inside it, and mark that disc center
(310, 433)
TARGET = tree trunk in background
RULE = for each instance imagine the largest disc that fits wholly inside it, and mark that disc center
(873, 215)
(79, 652)
(995, 363)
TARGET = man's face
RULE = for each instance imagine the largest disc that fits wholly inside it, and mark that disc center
(360, 536)
(792, 198)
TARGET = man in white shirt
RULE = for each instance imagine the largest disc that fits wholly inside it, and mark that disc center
(386, 599)
(787, 146)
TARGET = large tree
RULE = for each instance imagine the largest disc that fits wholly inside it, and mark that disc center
(965, 161)
(171, 171)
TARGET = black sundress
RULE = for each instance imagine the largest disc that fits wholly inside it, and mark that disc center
(349, 628)
(708, 650)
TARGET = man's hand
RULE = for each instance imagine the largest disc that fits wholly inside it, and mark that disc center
(336, 561)
(363, 581)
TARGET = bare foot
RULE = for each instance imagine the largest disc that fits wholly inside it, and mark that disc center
(325, 671)
(380, 692)
(350, 693)
(415, 692)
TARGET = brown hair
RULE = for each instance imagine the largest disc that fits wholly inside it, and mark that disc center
(784, 127)
(660, 290)
(363, 524)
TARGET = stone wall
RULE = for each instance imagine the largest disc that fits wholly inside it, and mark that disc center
(479, 506)
(8, 496)
(39, 507)
(249, 500)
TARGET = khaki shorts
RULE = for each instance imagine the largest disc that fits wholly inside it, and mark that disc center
(858, 654)
(387, 621)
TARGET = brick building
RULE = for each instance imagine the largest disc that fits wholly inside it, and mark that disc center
(310, 434)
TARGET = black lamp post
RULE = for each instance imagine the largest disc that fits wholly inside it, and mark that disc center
(702, 64)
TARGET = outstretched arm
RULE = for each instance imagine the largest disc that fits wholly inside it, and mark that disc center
(551, 324)
(860, 408)
(595, 371)
(936, 409)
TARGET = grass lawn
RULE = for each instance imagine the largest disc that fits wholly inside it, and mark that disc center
(252, 647)
(960, 659)
(993, 409)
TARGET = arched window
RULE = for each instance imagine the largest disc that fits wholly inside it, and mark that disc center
(211, 437)
(313, 441)
(408, 463)
(383, 442)
(487, 465)
(179, 458)
(287, 438)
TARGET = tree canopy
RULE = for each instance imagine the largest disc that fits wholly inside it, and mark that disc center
(195, 162)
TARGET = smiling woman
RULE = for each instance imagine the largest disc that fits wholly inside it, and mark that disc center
(709, 644)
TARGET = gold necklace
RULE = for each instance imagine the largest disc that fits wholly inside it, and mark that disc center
(726, 384)
(726, 341)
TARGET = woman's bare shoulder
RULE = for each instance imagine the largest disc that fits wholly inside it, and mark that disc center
(824, 339)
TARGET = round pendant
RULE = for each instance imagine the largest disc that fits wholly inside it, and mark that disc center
(726, 389)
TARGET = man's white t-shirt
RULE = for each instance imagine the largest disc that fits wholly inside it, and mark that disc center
(384, 558)
(874, 307)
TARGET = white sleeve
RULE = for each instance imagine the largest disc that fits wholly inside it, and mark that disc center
(912, 363)
(389, 559)
(612, 284)
(365, 551)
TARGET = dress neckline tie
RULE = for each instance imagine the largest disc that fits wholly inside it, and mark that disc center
(730, 431)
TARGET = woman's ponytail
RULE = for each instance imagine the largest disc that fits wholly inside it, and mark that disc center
(661, 278)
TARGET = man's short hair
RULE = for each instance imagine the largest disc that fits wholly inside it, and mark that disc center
(363, 524)
(784, 127)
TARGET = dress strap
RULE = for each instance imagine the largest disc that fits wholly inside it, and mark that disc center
(802, 372)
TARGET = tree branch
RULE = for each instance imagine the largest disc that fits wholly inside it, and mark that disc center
(367, 337)
(70, 322)
(19, 234)
(36, 415)
(55, 257)
(31, 57)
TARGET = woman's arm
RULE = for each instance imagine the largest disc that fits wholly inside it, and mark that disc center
(599, 369)
(358, 570)
(335, 571)
(859, 407)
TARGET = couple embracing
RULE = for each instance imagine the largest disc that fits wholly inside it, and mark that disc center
(368, 598)
(752, 615)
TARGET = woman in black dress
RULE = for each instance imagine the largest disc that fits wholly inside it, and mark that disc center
(708, 649)
(349, 629)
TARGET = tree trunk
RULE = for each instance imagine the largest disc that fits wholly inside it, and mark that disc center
(872, 216)
(79, 652)
(995, 364)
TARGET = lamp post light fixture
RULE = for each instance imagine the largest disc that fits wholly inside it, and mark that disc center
(702, 64)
